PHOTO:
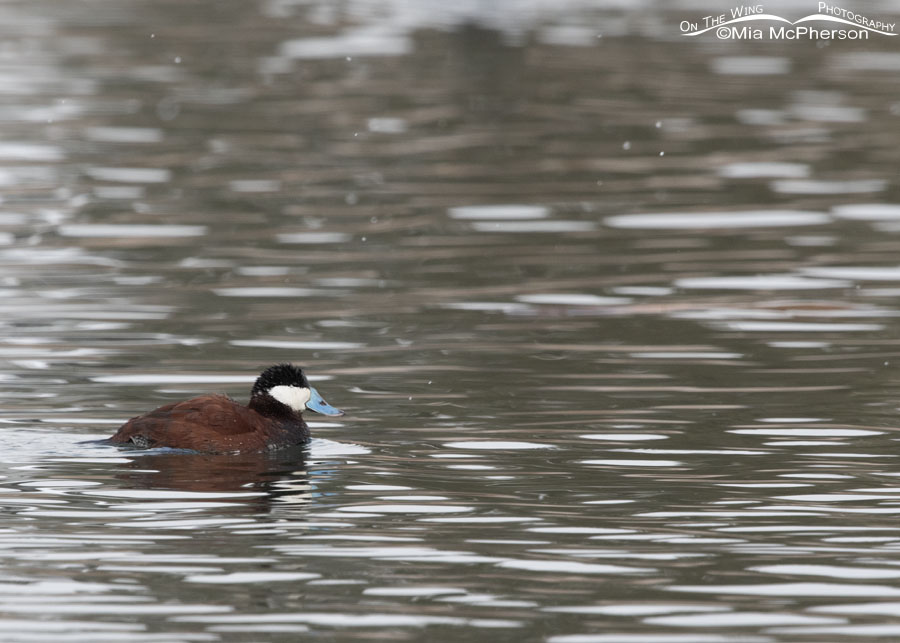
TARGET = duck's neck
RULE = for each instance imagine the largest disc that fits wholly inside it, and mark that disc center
(268, 406)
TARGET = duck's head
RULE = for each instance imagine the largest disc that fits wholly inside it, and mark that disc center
(286, 383)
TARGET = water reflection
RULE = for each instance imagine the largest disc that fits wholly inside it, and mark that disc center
(278, 476)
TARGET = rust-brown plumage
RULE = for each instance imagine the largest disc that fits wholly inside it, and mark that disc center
(218, 424)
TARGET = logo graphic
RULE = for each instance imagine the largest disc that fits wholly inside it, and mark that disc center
(742, 24)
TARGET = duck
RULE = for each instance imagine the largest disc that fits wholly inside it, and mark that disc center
(272, 419)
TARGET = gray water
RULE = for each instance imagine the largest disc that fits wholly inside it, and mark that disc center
(612, 313)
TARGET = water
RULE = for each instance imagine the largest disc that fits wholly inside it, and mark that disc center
(612, 313)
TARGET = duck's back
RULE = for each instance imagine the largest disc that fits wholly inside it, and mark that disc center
(211, 423)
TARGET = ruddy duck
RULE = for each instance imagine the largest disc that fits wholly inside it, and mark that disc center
(218, 424)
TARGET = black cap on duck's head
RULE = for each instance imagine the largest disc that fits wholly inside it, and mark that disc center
(288, 385)
(279, 375)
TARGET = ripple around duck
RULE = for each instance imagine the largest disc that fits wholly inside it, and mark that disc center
(360, 620)
(572, 299)
(742, 619)
(624, 437)
(868, 211)
(635, 463)
(97, 230)
(655, 638)
(405, 509)
(497, 445)
(764, 170)
(818, 432)
(499, 212)
(701, 220)
(559, 225)
(569, 567)
(760, 282)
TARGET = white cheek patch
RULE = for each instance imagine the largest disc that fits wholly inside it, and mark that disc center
(292, 396)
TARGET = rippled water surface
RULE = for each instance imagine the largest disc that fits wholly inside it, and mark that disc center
(612, 312)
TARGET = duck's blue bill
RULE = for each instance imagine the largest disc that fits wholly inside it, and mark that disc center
(317, 404)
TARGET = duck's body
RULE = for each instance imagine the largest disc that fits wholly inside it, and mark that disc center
(217, 424)
(212, 423)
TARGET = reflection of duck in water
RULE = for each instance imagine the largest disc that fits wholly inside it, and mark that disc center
(217, 424)
(248, 478)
